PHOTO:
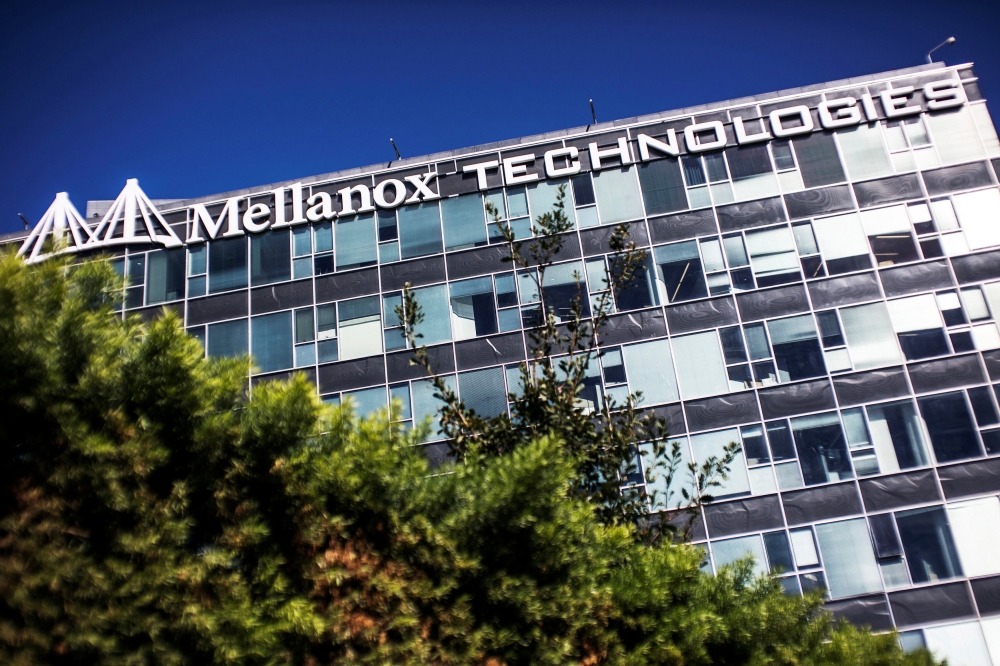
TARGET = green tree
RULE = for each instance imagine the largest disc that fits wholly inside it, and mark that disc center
(155, 508)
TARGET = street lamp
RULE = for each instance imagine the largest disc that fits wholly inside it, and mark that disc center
(950, 40)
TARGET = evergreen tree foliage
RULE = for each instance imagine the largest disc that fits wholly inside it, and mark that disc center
(156, 509)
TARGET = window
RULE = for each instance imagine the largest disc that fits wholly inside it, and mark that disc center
(834, 350)
(305, 347)
(271, 338)
(764, 373)
(796, 348)
(864, 154)
(583, 193)
(735, 354)
(896, 436)
(617, 193)
(615, 377)
(367, 401)
(848, 558)
(955, 136)
(228, 339)
(360, 327)
(301, 251)
(976, 527)
(638, 293)
(323, 239)
(736, 255)
(270, 258)
(355, 242)
(843, 243)
(464, 221)
(326, 333)
(888, 231)
(952, 434)
(426, 406)
(227, 264)
(818, 160)
(869, 334)
(679, 271)
(483, 391)
(753, 177)
(506, 291)
(388, 236)
(562, 285)
(419, 230)
(979, 215)
(918, 324)
(820, 444)
(197, 268)
(473, 310)
(436, 326)
(961, 644)
(542, 198)
(779, 553)
(166, 276)
(773, 256)
(662, 187)
(930, 551)
(699, 365)
(651, 371)
(729, 551)
(713, 444)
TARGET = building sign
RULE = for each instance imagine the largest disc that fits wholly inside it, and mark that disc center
(133, 218)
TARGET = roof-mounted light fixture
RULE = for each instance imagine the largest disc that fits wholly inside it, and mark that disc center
(950, 40)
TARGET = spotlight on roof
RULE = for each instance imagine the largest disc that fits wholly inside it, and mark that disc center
(950, 40)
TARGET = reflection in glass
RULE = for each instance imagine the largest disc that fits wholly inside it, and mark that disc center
(680, 272)
(930, 551)
(952, 434)
(822, 451)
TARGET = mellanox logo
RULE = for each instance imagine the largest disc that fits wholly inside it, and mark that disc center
(133, 219)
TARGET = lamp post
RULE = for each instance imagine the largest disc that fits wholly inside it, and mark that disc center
(950, 40)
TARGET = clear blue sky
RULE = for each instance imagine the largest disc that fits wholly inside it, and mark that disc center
(194, 98)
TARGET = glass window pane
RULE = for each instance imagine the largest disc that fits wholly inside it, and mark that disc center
(388, 230)
(301, 241)
(782, 151)
(976, 527)
(270, 258)
(863, 151)
(736, 253)
(848, 558)
(355, 241)
(679, 271)
(483, 391)
(952, 434)
(617, 193)
(895, 431)
(818, 160)
(426, 406)
(649, 366)
(271, 341)
(753, 176)
(804, 547)
(419, 230)
(662, 187)
(436, 325)
(716, 165)
(367, 402)
(773, 256)
(694, 174)
(797, 352)
(583, 190)
(713, 444)
(888, 231)
(197, 258)
(304, 325)
(730, 550)
(228, 339)
(979, 215)
(562, 286)
(360, 328)
(955, 136)
(961, 644)
(166, 276)
(926, 537)
(822, 450)
(227, 264)
(464, 221)
(843, 243)
(637, 293)
(542, 198)
(699, 365)
(870, 338)
(473, 311)
(324, 237)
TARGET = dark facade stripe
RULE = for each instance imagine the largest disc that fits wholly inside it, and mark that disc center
(917, 277)
(598, 241)
(749, 515)
(992, 359)
(481, 261)
(773, 302)
(355, 374)
(633, 326)
(888, 190)
(700, 315)
(891, 492)
(806, 506)
(977, 267)
(819, 202)
(945, 373)
(870, 386)
(931, 604)
(399, 368)
(417, 272)
(844, 291)
(872, 611)
(971, 478)
(961, 177)
(722, 411)
(481, 352)
(987, 594)
(281, 296)
(310, 374)
(683, 226)
(750, 214)
(217, 308)
(352, 284)
(794, 399)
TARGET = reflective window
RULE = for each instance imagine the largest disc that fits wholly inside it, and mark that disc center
(976, 527)
(848, 558)
(271, 341)
(729, 551)
(617, 192)
(952, 434)
(712, 445)
(270, 258)
(650, 370)
(699, 365)
(419, 230)
(896, 436)
(930, 551)
(227, 339)
(870, 338)
(562, 285)
(483, 391)
(360, 328)
(436, 326)
(822, 450)
(662, 187)
(680, 272)
(355, 242)
(464, 221)
(166, 276)
(818, 159)
(889, 233)
(473, 310)
(227, 264)
(797, 352)
(773, 256)
(864, 154)
(542, 198)
(843, 243)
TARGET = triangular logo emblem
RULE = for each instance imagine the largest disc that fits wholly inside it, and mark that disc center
(133, 218)
(61, 222)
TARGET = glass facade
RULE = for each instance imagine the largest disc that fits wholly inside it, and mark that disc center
(829, 300)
